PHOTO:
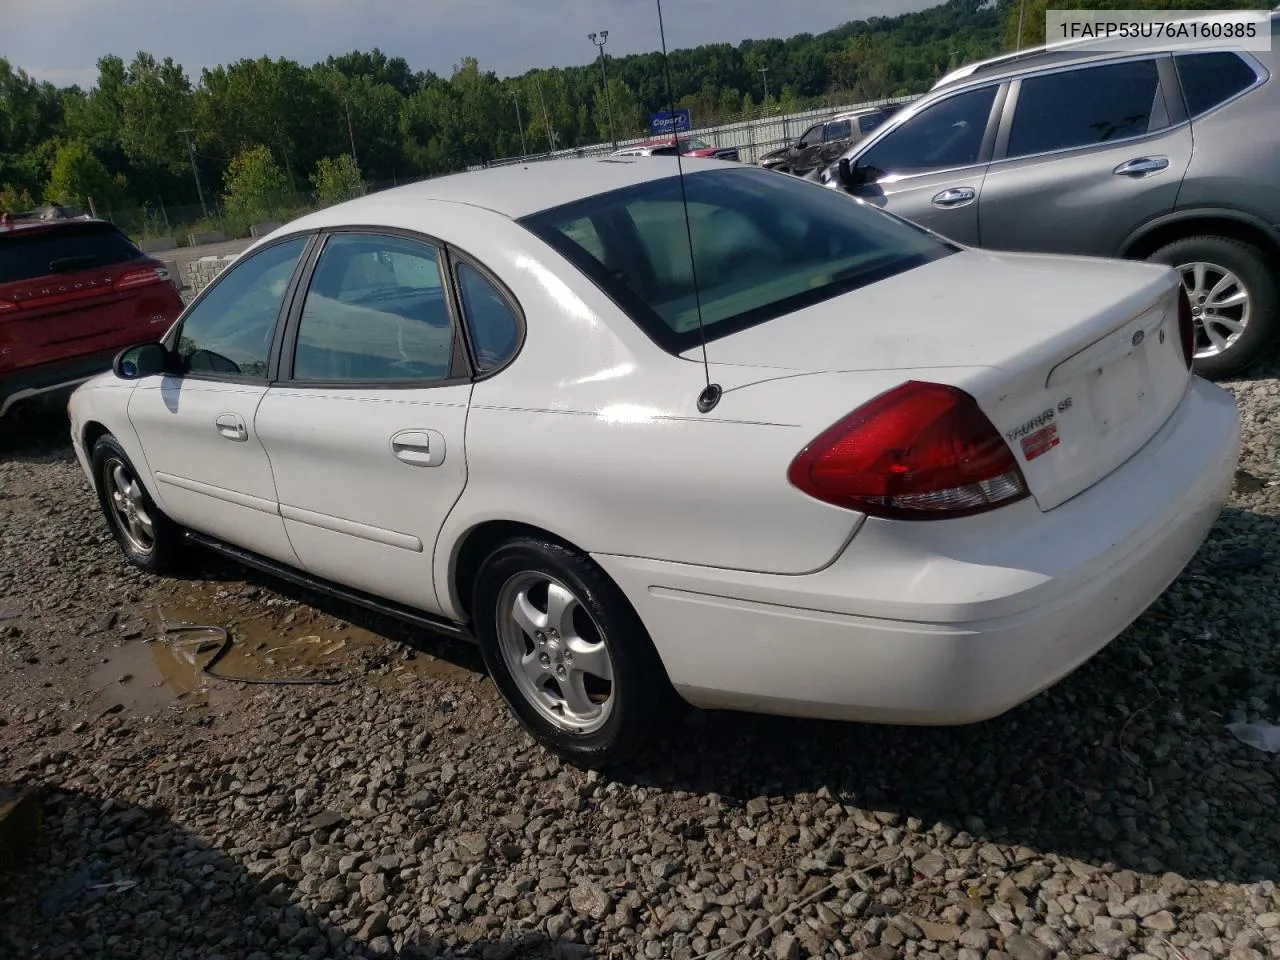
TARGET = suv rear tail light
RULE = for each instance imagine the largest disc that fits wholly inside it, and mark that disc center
(137, 278)
(921, 451)
(1186, 326)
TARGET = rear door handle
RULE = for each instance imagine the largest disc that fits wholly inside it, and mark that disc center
(955, 197)
(419, 448)
(1140, 166)
(231, 426)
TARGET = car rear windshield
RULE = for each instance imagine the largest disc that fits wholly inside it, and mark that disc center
(66, 248)
(764, 244)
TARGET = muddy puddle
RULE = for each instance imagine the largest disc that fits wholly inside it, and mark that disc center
(200, 653)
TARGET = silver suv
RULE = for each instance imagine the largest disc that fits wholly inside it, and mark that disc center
(1172, 157)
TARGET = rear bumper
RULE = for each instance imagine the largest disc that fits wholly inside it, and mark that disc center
(914, 624)
(50, 377)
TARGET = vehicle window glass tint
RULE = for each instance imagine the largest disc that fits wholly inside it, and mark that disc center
(947, 134)
(375, 310)
(871, 122)
(838, 130)
(763, 245)
(27, 254)
(230, 330)
(1078, 108)
(1209, 79)
(495, 331)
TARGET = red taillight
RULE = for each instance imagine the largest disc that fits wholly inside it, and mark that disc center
(1186, 327)
(137, 278)
(921, 451)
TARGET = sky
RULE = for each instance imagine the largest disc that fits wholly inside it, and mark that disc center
(61, 40)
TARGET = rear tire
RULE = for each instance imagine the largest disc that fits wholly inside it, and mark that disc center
(1208, 265)
(148, 539)
(568, 653)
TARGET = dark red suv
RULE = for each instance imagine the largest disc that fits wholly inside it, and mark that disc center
(73, 292)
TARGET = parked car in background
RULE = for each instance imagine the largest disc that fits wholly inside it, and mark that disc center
(1172, 157)
(823, 142)
(927, 518)
(689, 147)
(73, 292)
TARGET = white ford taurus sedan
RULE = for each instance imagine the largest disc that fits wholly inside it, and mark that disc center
(925, 483)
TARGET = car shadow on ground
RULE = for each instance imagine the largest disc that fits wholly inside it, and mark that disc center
(107, 878)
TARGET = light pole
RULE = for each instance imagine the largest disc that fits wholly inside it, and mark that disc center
(195, 171)
(515, 96)
(600, 39)
(764, 75)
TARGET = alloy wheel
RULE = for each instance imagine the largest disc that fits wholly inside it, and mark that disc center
(555, 652)
(1220, 306)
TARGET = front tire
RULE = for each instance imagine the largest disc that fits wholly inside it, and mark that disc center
(148, 539)
(1235, 299)
(568, 653)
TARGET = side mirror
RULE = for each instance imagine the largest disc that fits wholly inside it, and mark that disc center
(852, 174)
(142, 360)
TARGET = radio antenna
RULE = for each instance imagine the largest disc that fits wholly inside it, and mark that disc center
(711, 393)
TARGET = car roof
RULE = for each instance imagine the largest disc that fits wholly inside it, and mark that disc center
(516, 190)
(1071, 51)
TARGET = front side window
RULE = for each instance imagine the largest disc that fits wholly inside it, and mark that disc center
(375, 311)
(811, 136)
(1086, 107)
(946, 134)
(229, 332)
(763, 246)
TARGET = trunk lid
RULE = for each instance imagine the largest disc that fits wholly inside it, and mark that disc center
(1077, 362)
(75, 290)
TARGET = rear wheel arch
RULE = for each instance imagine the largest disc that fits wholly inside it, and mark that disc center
(1201, 223)
(480, 541)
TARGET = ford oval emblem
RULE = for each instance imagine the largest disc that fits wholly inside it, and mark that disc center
(1138, 337)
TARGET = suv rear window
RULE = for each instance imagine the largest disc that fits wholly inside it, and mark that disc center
(1209, 79)
(764, 246)
(66, 248)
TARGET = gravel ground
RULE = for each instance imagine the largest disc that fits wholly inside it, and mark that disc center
(395, 809)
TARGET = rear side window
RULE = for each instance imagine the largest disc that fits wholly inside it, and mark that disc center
(27, 254)
(1209, 79)
(1086, 107)
(763, 246)
(838, 130)
(871, 121)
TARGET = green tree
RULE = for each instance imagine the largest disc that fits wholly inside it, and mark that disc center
(80, 179)
(337, 179)
(256, 188)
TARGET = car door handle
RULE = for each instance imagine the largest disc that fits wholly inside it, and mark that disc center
(955, 197)
(1139, 166)
(231, 426)
(419, 448)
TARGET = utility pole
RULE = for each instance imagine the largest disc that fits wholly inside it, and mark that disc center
(195, 171)
(546, 119)
(764, 74)
(351, 132)
(1022, 7)
(603, 36)
(524, 149)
